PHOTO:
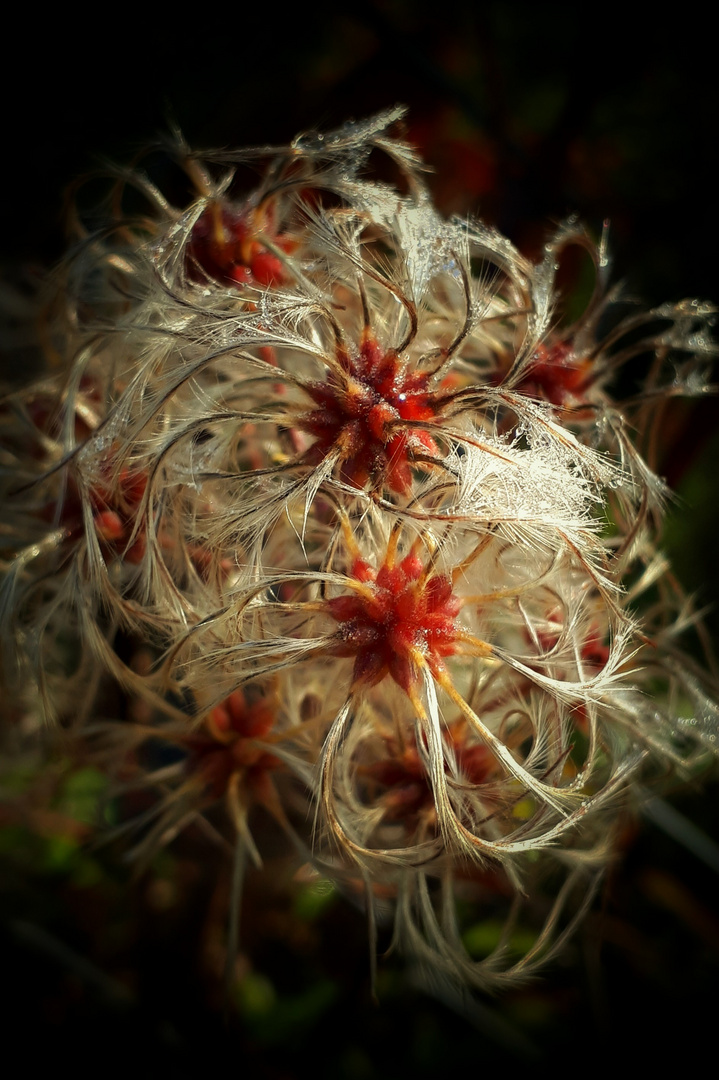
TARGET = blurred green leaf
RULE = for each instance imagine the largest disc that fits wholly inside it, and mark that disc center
(81, 793)
(482, 938)
(312, 900)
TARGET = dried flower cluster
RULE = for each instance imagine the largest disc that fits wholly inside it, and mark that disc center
(319, 479)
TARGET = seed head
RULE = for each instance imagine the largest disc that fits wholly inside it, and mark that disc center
(321, 495)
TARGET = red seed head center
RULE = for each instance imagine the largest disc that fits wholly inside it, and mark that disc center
(400, 619)
(362, 416)
(228, 744)
(555, 374)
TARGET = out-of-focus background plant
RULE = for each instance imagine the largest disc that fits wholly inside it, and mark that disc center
(526, 118)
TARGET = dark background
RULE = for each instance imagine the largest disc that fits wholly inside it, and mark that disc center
(619, 122)
(527, 116)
